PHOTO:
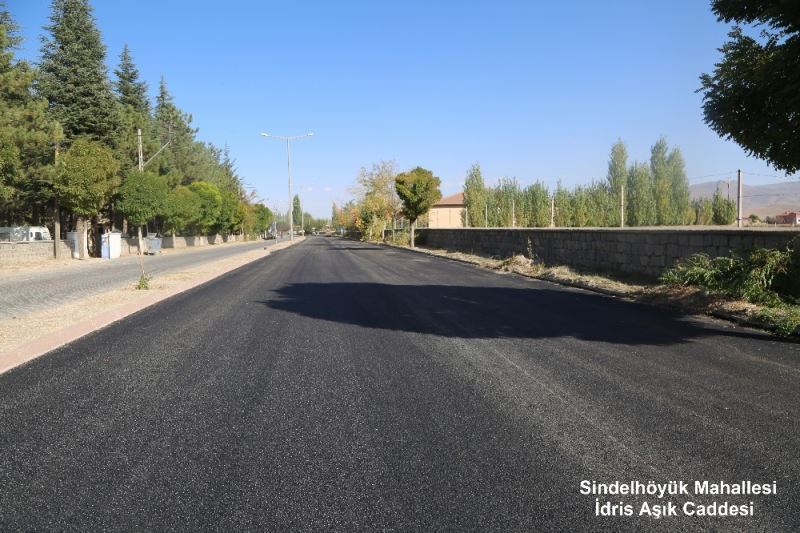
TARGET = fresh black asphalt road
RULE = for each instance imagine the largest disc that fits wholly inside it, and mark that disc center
(341, 386)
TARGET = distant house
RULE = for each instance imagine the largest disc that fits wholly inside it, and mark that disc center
(446, 213)
(789, 217)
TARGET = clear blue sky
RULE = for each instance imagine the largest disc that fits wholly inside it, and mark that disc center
(535, 90)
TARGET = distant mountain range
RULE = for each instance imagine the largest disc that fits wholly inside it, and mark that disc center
(763, 200)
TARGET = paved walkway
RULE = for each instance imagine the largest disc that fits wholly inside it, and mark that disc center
(23, 293)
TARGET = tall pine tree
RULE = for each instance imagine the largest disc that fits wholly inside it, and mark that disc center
(73, 74)
(130, 89)
(27, 135)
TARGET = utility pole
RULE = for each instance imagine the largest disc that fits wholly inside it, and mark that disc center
(466, 216)
(513, 213)
(56, 218)
(553, 211)
(288, 140)
(141, 150)
(622, 205)
(739, 200)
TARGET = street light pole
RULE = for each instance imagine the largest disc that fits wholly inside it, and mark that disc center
(288, 139)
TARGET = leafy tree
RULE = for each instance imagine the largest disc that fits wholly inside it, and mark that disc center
(616, 177)
(751, 97)
(230, 213)
(263, 218)
(130, 89)
(581, 215)
(660, 174)
(143, 196)
(640, 204)
(703, 212)
(379, 204)
(73, 74)
(210, 206)
(563, 205)
(182, 208)
(418, 190)
(297, 210)
(86, 179)
(536, 205)
(475, 198)
(724, 210)
(679, 187)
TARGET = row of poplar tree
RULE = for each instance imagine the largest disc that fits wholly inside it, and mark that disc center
(655, 193)
(69, 146)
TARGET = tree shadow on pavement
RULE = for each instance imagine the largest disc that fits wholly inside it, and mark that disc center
(493, 312)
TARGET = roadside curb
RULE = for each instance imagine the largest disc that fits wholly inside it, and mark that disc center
(722, 315)
(38, 347)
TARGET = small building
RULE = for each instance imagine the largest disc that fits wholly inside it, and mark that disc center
(447, 212)
(789, 217)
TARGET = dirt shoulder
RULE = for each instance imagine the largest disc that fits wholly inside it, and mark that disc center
(690, 300)
(34, 334)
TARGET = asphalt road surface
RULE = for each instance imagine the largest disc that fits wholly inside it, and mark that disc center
(336, 385)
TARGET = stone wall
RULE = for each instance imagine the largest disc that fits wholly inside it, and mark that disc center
(643, 252)
(25, 252)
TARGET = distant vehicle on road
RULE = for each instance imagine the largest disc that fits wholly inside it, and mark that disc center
(24, 234)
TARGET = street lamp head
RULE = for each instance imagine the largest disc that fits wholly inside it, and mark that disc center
(310, 134)
(265, 134)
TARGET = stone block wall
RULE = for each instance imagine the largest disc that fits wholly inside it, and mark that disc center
(643, 252)
(28, 252)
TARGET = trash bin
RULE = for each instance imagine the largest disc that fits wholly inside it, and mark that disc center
(153, 245)
(72, 240)
(111, 247)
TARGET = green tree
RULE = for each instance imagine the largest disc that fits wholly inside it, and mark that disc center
(703, 212)
(263, 218)
(173, 127)
(475, 198)
(182, 208)
(231, 213)
(751, 96)
(210, 206)
(73, 74)
(724, 210)
(640, 203)
(378, 202)
(679, 188)
(418, 190)
(27, 134)
(143, 196)
(297, 210)
(86, 179)
(617, 177)
(536, 206)
(130, 89)
(660, 174)
(563, 205)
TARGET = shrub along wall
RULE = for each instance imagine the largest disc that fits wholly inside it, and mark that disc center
(636, 251)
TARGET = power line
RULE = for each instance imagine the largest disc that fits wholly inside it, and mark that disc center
(766, 175)
(728, 173)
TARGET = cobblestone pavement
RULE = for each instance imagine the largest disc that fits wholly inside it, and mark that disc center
(23, 293)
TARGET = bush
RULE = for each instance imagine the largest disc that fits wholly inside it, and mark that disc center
(752, 278)
(788, 283)
(398, 237)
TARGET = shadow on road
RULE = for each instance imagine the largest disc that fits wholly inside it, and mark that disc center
(492, 312)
